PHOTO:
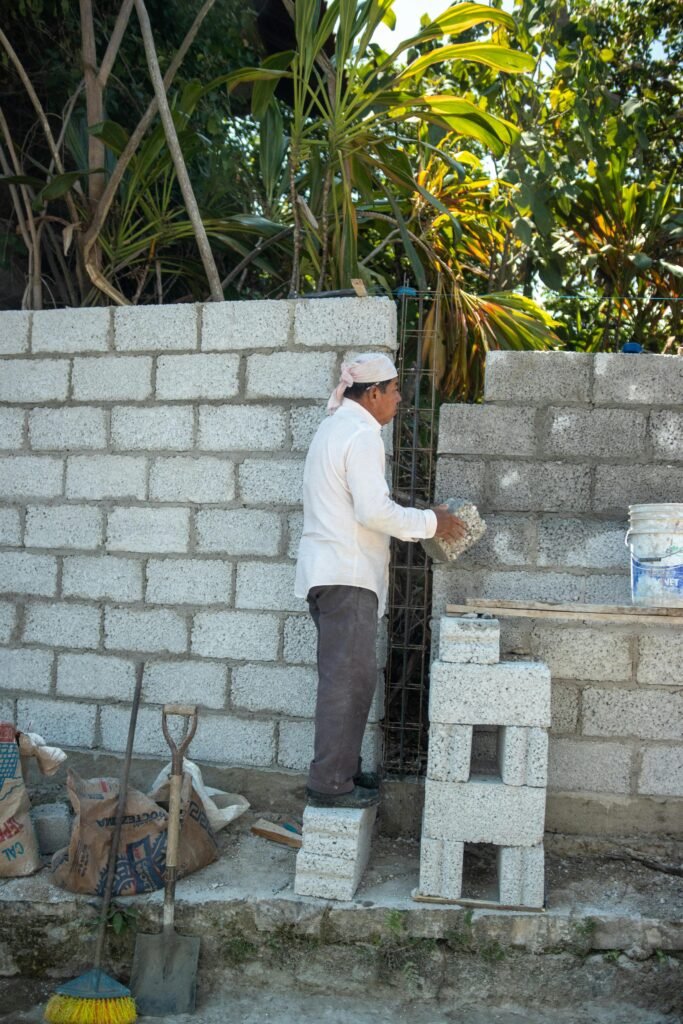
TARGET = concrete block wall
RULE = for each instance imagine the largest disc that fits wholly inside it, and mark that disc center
(150, 509)
(561, 446)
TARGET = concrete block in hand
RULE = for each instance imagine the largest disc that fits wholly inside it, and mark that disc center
(469, 639)
(448, 551)
(52, 823)
(523, 756)
(441, 868)
(484, 810)
(521, 880)
(509, 693)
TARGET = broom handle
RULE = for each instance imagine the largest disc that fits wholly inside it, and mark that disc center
(188, 711)
(116, 835)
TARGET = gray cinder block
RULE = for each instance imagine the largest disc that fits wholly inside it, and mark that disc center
(335, 851)
(523, 756)
(509, 693)
(441, 868)
(469, 640)
(450, 752)
(52, 823)
(521, 880)
(484, 810)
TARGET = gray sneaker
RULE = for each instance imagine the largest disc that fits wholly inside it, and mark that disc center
(356, 797)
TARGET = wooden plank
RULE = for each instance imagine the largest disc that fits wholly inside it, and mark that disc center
(276, 833)
(576, 613)
(418, 897)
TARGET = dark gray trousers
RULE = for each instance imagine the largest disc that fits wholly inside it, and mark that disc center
(346, 621)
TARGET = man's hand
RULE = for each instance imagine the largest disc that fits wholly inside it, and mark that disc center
(448, 526)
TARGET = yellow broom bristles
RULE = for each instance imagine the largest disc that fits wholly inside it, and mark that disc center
(72, 1010)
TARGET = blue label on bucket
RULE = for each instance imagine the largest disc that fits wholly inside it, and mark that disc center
(651, 581)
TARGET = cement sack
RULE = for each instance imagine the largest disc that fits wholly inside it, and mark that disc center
(141, 855)
(221, 807)
(19, 854)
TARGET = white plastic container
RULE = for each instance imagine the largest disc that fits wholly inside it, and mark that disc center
(655, 538)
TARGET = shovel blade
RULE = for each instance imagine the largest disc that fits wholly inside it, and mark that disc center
(164, 976)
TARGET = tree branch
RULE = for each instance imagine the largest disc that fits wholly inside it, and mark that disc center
(112, 50)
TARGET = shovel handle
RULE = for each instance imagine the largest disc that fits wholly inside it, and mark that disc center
(175, 785)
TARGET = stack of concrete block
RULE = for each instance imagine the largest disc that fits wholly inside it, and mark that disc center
(335, 851)
(470, 687)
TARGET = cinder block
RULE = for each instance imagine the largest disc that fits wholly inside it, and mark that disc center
(63, 526)
(198, 480)
(291, 691)
(648, 715)
(564, 708)
(7, 621)
(188, 581)
(148, 529)
(227, 739)
(584, 543)
(156, 328)
(461, 479)
(238, 531)
(242, 428)
(666, 434)
(661, 771)
(62, 624)
(26, 670)
(104, 577)
(450, 752)
(291, 375)
(24, 573)
(604, 588)
(319, 322)
(295, 747)
(197, 376)
(239, 636)
(31, 476)
(486, 430)
(10, 527)
(11, 429)
(149, 739)
(618, 486)
(276, 482)
(268, 585)
(14, 325)
(52, 823)
(238, 325)
(69, 428)
(537, 378)
(589, 766)
(595, 433)
(334, 877)
(509, 540)
(163, 427)
(188, 682)
(147, 630)
(112, 378)
(484, 811)
(301, 640)
(495, 585)
(509, 693)
(303, 423)
(469, 640)
(34, 380)
(64, 723)
(71, 330)
(538, 486)
(637, 380)
(101, 677)
(521, 876)
(106, 476)
(523, 756)
(295, 527)
(337, 831)
(441, 868)
(660, 658)
(601, 654)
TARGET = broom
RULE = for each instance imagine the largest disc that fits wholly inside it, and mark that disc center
(94, 997)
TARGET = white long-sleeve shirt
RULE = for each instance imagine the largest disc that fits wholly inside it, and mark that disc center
(348, 513)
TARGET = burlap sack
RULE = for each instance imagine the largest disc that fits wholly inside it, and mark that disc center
(19, 854)
(141, 854)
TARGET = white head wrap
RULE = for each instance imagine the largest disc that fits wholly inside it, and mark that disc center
(370, 368)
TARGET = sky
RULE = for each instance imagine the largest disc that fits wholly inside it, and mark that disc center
(408, 14)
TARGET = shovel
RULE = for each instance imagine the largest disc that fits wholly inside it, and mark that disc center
(164, 975)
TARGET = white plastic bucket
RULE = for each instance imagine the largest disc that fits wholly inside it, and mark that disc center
(655, 538)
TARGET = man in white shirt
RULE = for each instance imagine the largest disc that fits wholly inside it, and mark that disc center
(343, 568)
